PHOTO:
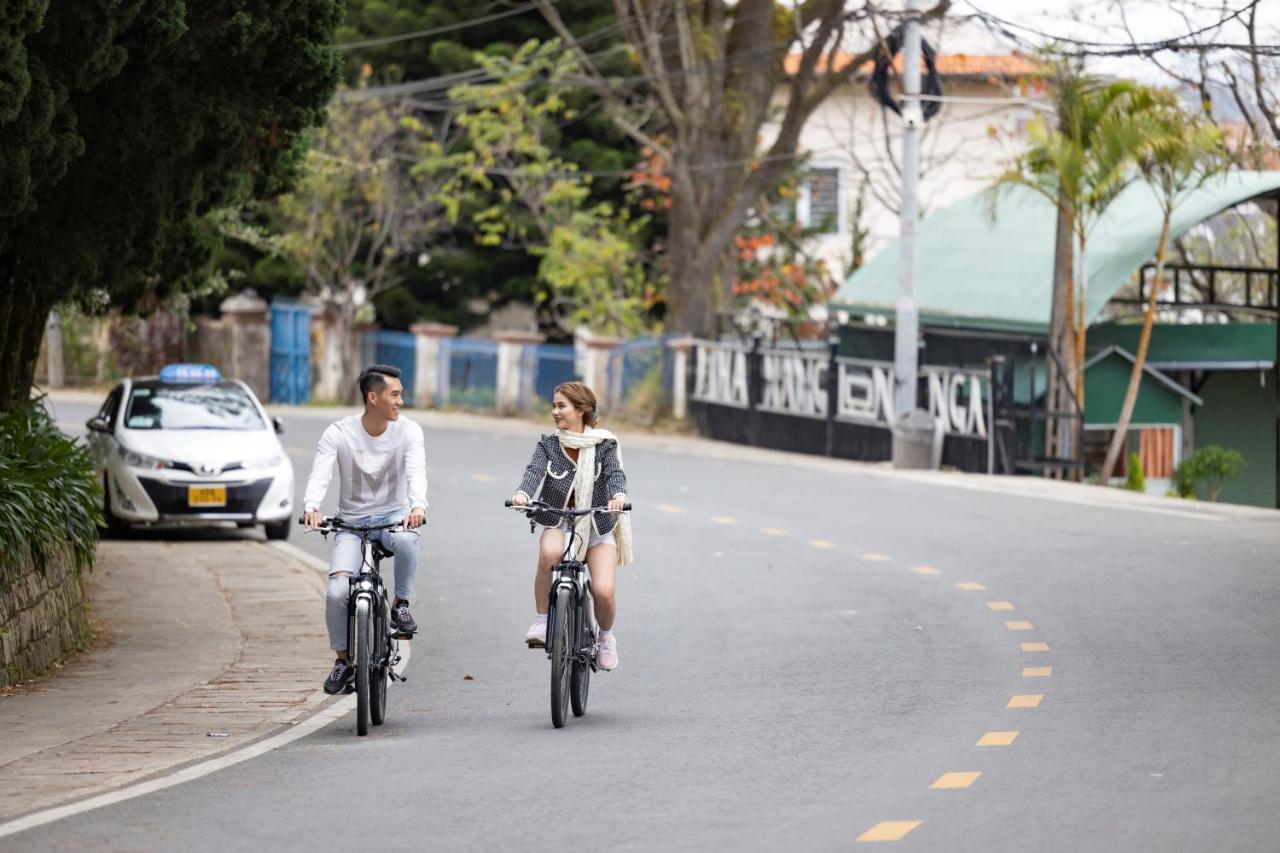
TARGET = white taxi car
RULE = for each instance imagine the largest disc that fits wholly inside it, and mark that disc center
(190, 447)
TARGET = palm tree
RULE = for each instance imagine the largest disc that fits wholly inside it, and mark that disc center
(1080, 166)
(1182, 151)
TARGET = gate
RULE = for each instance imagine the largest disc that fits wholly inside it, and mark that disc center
(290, 352)
(398, 349)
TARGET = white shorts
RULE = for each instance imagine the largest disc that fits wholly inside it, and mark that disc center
(596, 538)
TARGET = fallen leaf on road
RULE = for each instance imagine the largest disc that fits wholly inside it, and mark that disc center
(468, 678)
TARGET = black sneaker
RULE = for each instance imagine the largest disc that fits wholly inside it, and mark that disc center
(402, 619)
(341, 676)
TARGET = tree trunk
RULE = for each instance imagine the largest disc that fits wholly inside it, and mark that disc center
(1058, 441)
(23, 314)
(1139, 358)
(1081, 295)
(344, 314)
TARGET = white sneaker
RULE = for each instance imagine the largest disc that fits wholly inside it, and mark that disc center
(537, 636)
(607, 653)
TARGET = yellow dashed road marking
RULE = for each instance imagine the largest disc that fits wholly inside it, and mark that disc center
(997, 739)
(926, 570)
(774, 531)
(971, 586)
(1026, 700)
(1035, 647)
(874, 557)
(669, 508)
(724, 519)
(303, 450)
(1000, 605)
(889, 830)
(822, 543)
(482, 478)
(1037, 671)
(1019, 625)
(955, 780)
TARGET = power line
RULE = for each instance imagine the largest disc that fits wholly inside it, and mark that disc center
(1116, 49)
(441, 30)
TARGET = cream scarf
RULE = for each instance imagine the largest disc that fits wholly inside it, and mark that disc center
(584, 484)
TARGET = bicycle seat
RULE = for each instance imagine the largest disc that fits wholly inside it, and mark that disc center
(380, 553)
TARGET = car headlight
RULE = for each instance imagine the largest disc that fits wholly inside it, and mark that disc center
(142, 460)
(265, 462)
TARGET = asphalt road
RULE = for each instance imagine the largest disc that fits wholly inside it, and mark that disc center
(805, 653)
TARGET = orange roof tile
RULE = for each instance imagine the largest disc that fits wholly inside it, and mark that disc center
(949, 64)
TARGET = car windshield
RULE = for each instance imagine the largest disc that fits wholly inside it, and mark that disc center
(163, 405)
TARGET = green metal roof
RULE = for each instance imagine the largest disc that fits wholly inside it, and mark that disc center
(974, 271)
(1208, 346)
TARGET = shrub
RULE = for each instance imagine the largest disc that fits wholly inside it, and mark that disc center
(1136, 481)
(1207, 470)
(51, 493)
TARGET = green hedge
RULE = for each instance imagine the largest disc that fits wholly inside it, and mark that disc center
(48, 490)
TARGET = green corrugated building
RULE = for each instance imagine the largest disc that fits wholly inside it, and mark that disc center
(986, 264)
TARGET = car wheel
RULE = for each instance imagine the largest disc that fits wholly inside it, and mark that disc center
(278, 530)
(115, 527)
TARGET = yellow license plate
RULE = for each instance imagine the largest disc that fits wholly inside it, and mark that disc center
(205, 496)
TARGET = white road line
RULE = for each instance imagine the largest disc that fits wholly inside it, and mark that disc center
(187, 774)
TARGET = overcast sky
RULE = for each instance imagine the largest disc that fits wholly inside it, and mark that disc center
(1101, 20)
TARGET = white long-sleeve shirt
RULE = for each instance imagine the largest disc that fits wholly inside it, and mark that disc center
(378, 475)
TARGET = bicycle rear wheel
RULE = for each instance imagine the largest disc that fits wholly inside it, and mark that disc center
(378, 685)
(361, 660)
(558, 638)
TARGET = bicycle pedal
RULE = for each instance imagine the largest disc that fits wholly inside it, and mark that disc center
(402, 635)
(350, 688)
(535, 644)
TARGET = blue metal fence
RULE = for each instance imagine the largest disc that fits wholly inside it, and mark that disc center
(290, 352)
(397, 349)
(471, 371)
(631, 363)
(551, 364)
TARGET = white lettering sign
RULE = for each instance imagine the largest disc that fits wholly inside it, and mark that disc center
(795, 384)
(865, 392)
(720, 376)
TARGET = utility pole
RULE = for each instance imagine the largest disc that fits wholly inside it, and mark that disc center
(907, 322)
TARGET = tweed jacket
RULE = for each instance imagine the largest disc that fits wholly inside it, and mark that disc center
(549, 478)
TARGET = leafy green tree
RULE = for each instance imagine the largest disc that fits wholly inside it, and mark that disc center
(123, 125)
(1182, 151)
(369, 199)
(465, 274)
(523, 193)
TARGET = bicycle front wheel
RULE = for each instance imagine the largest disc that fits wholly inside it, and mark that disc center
(381, 662)
(580, 681)
(361, 659)
(558, 639)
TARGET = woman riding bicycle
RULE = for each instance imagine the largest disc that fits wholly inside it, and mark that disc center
(579, 466)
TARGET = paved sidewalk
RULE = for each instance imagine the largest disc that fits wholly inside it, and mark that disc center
(203, 635)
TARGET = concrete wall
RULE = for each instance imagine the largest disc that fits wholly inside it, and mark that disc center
(42, 613)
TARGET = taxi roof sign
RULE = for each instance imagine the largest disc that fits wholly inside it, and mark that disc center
(190, 373)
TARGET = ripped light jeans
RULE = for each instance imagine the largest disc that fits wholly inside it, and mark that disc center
(348, 557)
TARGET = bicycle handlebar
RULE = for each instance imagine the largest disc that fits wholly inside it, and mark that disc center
(332, 523)
(545, 507)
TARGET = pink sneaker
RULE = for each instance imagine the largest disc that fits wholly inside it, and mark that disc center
(607, 653)
(537, 636)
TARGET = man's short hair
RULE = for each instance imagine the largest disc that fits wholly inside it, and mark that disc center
(374, 378)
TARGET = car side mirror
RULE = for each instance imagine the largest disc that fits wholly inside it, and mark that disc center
(277, 424)
(98, 424)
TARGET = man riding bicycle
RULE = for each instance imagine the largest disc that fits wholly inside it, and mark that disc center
(382, 471)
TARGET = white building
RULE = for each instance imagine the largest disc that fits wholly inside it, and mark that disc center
(853, 147)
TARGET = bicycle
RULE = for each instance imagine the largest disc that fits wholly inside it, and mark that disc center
(372, 645)
(571, 627)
